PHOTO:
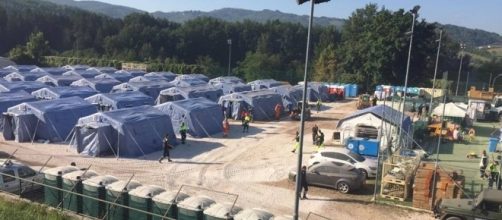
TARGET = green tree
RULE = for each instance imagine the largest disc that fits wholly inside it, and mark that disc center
(18, 54)
(37, 46)
(325, 66)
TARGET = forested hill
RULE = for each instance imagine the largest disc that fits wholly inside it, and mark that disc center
(473, 37)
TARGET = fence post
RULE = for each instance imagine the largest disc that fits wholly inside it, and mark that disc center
(472, 187)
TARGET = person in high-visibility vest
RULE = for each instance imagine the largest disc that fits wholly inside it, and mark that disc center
(245, 123)
(320, 141)
(297, 142)
(318, 105)
(494, 174)
(183, 132)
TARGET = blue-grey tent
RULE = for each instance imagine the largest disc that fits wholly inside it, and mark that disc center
(113, 101)
(149, 88)
(50, 120)
(5, 72)
(21, 85)
(82, 73)
(58, 80)
(103, 85)
(226, 79)
(202, 116)
(76, 67)
(265, 84)
(290, 95)
(150, 78)
(9, 99)
(169, 76)
(193, 76)
(229, 88)
(261, 103)
(24, 76)
(50, 70)
(129, 132)
(105, 69)
(188, 82)
(20, 68)
(133, 73)
(178, 93)
(63, 92)
(320, 89)
(122, 77)
(311, 93)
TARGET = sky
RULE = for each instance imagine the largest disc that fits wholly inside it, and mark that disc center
(480, 14)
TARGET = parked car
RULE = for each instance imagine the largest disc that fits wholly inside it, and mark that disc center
(19, 170)
(333, 175)
(487, 205)
(342, 155)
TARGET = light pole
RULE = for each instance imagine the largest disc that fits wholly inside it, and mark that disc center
(436, 68)
(414, 12)
(304, 99)
(467, 83)
(462, 47)
(493, 82)
(229, 42)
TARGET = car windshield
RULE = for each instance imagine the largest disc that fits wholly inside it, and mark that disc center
(357, 157)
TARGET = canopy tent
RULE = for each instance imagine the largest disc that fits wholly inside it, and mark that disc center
(260, 103)
(122, 77)
(129, 132)
(113, 101)
(202, 116)
(226, 79)
(188, 82)
(179, 93)
(105, 69)
(50, 70)
(58, 80)
(265, 84)
(103, 85)
(151, 89)
(50, 120)
(82, 73)
(169, 76)
(20, 85)
(151, 78)
(76, 67)
(229, 88)
(4, 73)
(290, 95)
(63, 92)
(20, 68)
(451, 110)
(321, 92)
(133, 73)
(193, 76)
(24, 76)
(9, 99)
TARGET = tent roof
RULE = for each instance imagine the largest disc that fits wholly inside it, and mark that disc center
(68, 91)
(226, 79)
(123, 96)
(150, 78)
(54, 105)
(20, 67)
(83, 73)
(76, 67)
(166, 75)
(384, 112)
(15, 96)
(59, 77)
(105, 69)
(95, 81)
(193, 76)
(187, 82)
(25, 75)
(451, 110)
(134, 114)
(192, 104)
(20, 85)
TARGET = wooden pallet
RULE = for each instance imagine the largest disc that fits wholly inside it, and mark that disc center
(393, 198)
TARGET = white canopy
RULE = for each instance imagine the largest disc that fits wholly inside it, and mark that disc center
(451, 110)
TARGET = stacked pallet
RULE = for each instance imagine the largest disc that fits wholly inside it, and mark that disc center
(422, 189)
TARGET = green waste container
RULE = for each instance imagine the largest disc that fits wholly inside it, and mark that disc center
(193, 208)
(253, 214)
(118, 192)
(141, 198)
(73, 182)
(221, 211)
(166, 204)
(54, 177)
(95, 188)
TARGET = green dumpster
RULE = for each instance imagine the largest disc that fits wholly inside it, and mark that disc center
(193, 208)
(141, 198)
(254, 214)
(54, 177)
(73, 182)
(221, 211)
(118, 192)
(166, 204)
(95, 188)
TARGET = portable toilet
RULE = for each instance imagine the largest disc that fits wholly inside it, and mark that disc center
(118, 192)
(95, 187)
(369, 147)
(492, 144)
(353, 145)
(73, 182)
(346, 91)
(141, 198)
(54, 177)
(166, 204)
(221, 211)
(354, 90)
(193, 208)
(254, 214)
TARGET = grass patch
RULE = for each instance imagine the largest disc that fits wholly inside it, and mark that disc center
(14, 210)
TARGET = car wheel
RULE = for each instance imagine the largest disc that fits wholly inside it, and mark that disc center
(365, 173)
(453, 218)
(343, 187)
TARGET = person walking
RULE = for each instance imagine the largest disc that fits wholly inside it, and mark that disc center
(374, 100)
(494, 174)
(303, 182)
(245, 123)
(318, 105)
(315, 129)
(278, 111)
(183, 132)
(297, 142)
(226, 127)
(320, 141)
(167, 147)
(483, 163)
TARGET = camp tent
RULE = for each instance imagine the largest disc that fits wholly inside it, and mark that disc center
(82, 73)
(20, 85)
(20, 68)
(128, 132)
(150, 78)
(193, 76)
(9, 99)
(261, 103)
(122, 77)
(133, 73)
(113, 101)
(101, 85)
(453, 111)
(50, 120)
(188, 82)
(169, 76)
(265, 84)
(50, 70)
(226, 79)
(76, 67)
(229, 88)
(290, 95)
(151, 89)
(63, 92)
(103, 69)
(4, 73)
(179, 93)
(24, 76)
(202, 116)
(367, 123)
(321, 91)
(58, 80)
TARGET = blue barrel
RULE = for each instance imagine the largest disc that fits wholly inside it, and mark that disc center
(353, 145)
(354, 90)
(369, 147)
(492, 144)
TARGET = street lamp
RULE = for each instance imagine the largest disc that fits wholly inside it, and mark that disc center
(493, 82)
(229, 42)
(414, 13)
(304, 98)
(462, 47)
(436, 68)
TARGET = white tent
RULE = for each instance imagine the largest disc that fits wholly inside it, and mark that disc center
(457, 110)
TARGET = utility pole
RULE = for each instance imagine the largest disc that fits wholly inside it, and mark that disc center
(229, 42)
(462, 47)
(436, 68)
